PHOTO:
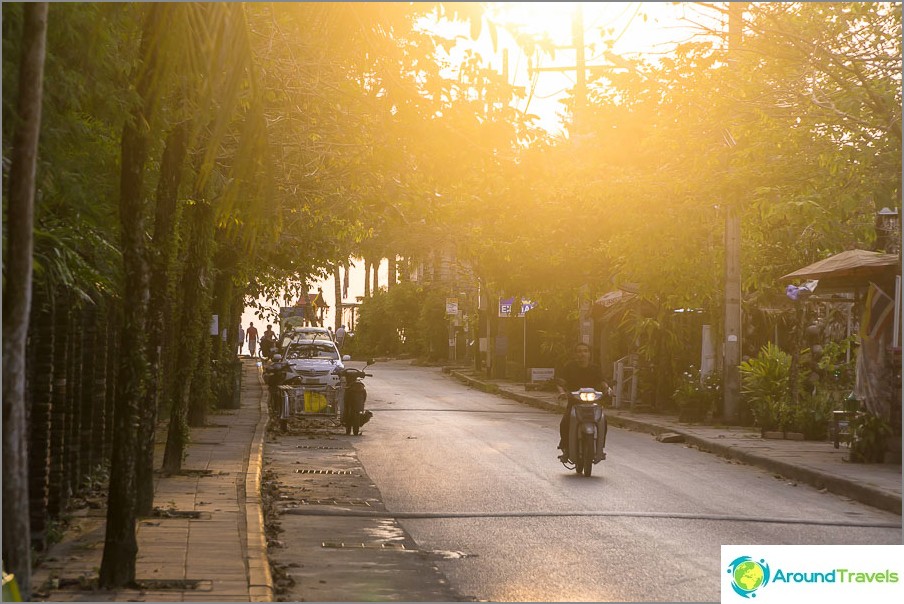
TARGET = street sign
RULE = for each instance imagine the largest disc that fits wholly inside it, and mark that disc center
(451, 306)
(505, 306)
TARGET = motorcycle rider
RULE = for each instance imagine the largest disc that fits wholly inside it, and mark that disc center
(576, 374)
(268, 342)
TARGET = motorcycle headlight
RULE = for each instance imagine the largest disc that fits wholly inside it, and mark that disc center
(588, 395)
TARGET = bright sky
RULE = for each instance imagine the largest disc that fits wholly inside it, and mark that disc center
(635, 28)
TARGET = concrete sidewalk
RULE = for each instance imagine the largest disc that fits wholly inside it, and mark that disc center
(817, 463)
(205, 543)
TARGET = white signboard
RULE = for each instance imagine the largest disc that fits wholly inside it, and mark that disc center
(542, 374)
(451, 306)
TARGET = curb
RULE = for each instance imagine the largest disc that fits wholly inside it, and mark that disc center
(260, 580)
(840, 486)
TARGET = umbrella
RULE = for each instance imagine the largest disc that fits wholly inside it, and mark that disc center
(852, 264)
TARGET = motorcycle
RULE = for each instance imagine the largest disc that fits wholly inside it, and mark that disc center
(280, 372)
(586, 432)
(268, 348)
(353, 413)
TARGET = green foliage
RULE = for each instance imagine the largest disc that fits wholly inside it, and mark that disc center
(869, 438)
(554, 345)
(408, 319)
(833, 364)
(432, 336)
(764, 386)
(697, 398)
(813, 415)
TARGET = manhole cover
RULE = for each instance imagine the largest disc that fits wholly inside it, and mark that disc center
(344, 472)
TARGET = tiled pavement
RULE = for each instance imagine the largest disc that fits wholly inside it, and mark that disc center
(207, 541)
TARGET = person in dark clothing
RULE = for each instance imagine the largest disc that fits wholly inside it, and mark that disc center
(268, 342)
(574, 375)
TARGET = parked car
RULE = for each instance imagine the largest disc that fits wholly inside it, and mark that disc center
(316, 360)
(299, 334)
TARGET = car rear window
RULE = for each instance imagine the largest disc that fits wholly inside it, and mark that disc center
(312, 350)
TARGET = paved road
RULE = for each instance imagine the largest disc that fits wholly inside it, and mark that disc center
(469, 482)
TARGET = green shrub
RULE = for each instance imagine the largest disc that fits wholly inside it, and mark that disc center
(408, 319)
(697, 399)
(764, 386)
(813, 415)
(869, 436)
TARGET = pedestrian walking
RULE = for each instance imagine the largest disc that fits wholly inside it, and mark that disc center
(251, 334)
(340, 336)
(241, 340)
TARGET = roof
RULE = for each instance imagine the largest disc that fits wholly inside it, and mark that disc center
(315, 298)
(852, 263)
(850, 271)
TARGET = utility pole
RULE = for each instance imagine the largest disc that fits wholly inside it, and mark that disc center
(731, 385)
(580, 86)
(578, 122)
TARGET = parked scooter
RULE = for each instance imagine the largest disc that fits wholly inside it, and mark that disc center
(277, 373)
(353, 413)
(586, 431)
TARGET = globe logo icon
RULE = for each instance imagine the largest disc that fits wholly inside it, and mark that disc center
(748, 575)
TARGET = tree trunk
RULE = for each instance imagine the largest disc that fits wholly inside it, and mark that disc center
(99, 390)
(796, 343)
(87, 460)
(192, 327)
(392, 270)
(163, 258)
(40, 385)
(121, 545)
(112, 373)
(58, 496)
(17, 297)
(337, 294)
(403, 270)
(376, 269)
(366, 278)
(347, 267)
(73, 401)
(200, 384)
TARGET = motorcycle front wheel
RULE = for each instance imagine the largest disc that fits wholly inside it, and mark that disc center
(578, 460)
(587, 450)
